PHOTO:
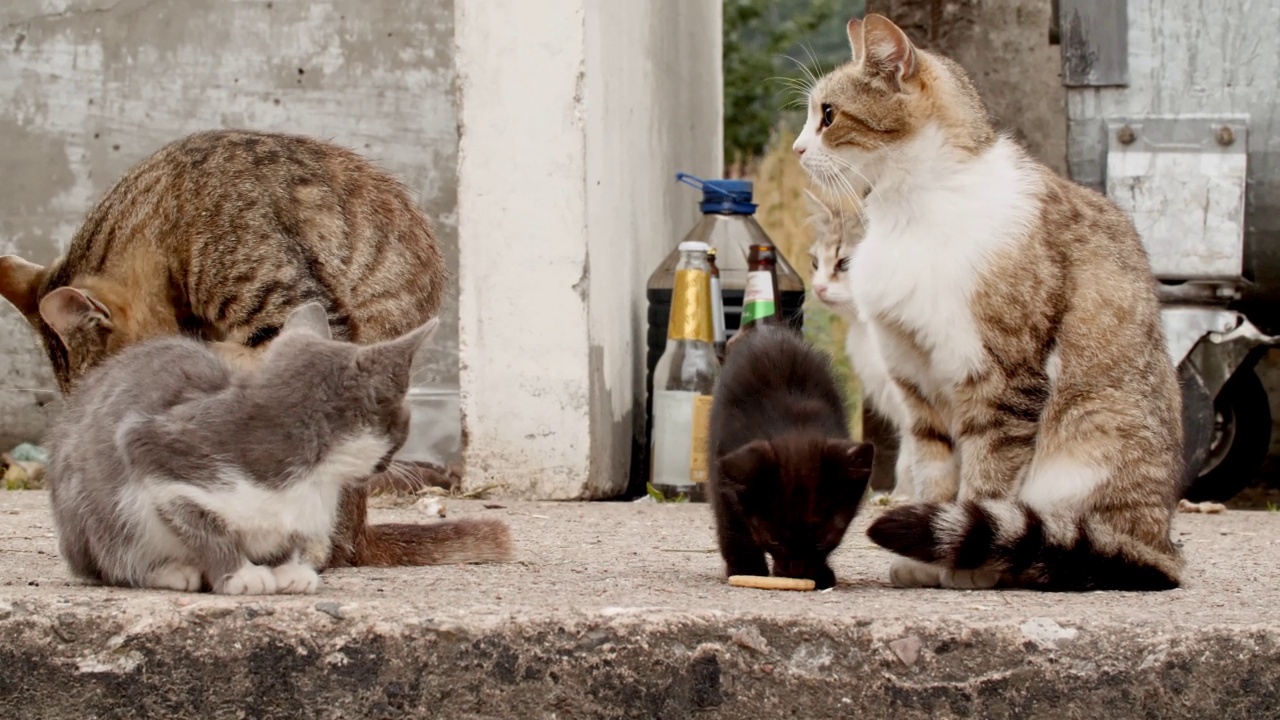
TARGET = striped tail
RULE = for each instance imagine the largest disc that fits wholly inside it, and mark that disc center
(1029, 550)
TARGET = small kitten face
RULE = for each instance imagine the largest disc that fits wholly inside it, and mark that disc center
(835, 235)
(866, 112)
(799, 495)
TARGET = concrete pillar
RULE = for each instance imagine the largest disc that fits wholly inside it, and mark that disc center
(574, 116)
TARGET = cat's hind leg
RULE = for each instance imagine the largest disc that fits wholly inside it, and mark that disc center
(908, 573)
(182, 577)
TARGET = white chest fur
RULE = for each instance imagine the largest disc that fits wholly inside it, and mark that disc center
(930, 241)
(266, 519)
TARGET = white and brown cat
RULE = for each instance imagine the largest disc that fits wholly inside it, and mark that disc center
(1016, 312)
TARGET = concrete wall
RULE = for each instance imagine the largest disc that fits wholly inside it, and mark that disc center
(92, 87)
(575, 115)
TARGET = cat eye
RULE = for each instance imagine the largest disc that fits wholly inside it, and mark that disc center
(843, 264)
(828, 114)
(815, 263)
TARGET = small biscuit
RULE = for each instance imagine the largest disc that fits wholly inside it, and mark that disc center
(764, 582)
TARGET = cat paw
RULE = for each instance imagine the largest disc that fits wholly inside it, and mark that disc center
(294, 577)
(908, 573)
(183, 578)
(250, 579)
(980, 579)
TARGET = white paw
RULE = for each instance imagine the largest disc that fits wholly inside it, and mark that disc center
(250, 579)
(908, 573)
(293, 577)
(183, 578)
(980, 579)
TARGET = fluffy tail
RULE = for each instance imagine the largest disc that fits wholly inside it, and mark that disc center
(1029, 550)
(448, 542)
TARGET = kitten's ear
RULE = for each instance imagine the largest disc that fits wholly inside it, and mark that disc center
(848, 465)
(819, 207)
(396, 356)
(67, 308)
(747, 462)
(888, 51)
(20, 283)
(311, 319)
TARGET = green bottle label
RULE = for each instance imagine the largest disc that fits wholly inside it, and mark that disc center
(758, 301)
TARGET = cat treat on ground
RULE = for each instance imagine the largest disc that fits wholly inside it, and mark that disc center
(766, 582)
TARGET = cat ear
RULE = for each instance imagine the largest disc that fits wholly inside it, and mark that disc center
(848, 465)
(748, 461)
(311, 319)
(857, 43)
(819, 206)
(67, 308)
(20, 283)
(397, 355)
(887, 50)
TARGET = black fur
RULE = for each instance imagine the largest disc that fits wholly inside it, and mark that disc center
(785, 478)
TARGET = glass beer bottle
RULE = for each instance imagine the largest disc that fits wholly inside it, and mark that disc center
(683, 382)
(760, 301)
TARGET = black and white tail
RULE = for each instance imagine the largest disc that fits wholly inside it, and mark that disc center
(1030, 550)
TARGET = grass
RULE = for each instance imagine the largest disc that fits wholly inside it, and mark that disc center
(784, 213)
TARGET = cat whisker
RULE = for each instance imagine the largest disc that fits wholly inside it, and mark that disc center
(871, 189)
(812, 79)
(46, 391)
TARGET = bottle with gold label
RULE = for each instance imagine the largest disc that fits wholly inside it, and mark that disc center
(683, 382)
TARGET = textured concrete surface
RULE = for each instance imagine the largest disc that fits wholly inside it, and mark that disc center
(619, 610)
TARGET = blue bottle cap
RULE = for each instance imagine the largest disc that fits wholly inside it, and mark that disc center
(725, 197)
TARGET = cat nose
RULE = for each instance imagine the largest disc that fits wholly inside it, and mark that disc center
(821, 290)
(799, 151)
(798, 147)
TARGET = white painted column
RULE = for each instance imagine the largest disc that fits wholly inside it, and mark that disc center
(574, 117)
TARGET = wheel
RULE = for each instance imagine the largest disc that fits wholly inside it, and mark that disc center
(1240, 440)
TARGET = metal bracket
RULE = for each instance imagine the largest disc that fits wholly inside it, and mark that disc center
(1182, 180)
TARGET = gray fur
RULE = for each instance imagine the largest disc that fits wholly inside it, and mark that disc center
(156, 437)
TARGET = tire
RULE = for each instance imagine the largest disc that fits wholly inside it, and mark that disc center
(1242, 436)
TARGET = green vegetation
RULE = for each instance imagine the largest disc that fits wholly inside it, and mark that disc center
(770, 50)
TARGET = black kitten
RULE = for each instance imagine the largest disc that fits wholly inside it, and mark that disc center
(786, 479)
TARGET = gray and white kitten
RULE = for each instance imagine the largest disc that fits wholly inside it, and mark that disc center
(170, 469)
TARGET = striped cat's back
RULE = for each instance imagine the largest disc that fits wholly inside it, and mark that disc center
(220, 235)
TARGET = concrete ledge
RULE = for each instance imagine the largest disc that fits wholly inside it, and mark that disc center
(617, 610)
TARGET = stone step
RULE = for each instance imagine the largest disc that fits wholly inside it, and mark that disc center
(618, 610)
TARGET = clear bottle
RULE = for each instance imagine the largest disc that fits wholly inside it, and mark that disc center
(683, 382)
(717, 306)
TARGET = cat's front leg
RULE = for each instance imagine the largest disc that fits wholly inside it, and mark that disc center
(213, 547)
(298, 574)
(928, 448)
(997, 421)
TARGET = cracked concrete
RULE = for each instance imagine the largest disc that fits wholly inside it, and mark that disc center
(619, 610)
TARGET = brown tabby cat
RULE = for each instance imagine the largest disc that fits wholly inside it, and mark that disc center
(1017, 313)
(220, 236)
